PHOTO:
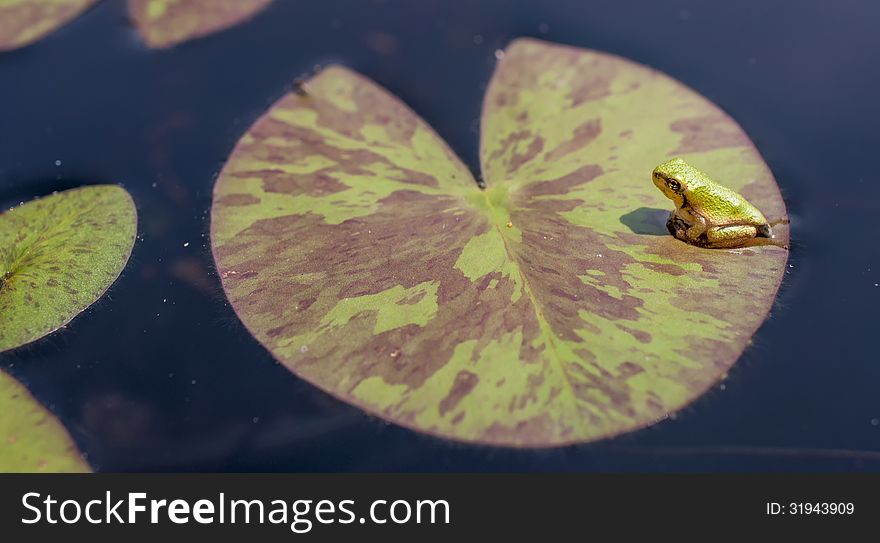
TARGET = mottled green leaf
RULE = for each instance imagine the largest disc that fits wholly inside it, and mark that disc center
(551, 308)
(25, 21)
(31, 439)
(164, 23)
(58, 255)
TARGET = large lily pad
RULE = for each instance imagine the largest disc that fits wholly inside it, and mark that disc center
(31, 439)
(58, 255)
(25, 21)
(164, 23)
(552, 307)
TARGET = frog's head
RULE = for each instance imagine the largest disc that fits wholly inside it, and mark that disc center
(672, 178)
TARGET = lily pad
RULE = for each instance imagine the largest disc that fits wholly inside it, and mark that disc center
(164, 23)
(58, 255)
(547, 309)
(31, 439)
(25, 21)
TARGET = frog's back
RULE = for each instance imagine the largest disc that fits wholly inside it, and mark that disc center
(722, 205)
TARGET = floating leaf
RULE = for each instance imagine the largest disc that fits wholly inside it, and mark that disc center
(552, 307)
(25, 21)
(164, 23)
(31, 439)
(58, 255)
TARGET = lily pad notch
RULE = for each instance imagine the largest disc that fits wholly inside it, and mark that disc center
(360, 251)
(58, 255)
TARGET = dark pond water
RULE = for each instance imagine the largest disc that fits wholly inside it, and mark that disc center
(160, 375)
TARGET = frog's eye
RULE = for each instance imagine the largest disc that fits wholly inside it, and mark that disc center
(673, 185)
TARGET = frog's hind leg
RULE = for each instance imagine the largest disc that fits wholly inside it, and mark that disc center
(724, 237)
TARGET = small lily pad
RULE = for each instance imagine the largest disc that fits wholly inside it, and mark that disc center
(25, 21)
(58, 255)
(164, 23)
(549, 308)
(31, 439)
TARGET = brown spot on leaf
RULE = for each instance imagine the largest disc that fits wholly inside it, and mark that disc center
(642, 337)
(583, 135)
(671, 269)
(707, 132)
(465, 381)
(239, 200)
(564, 184)
(412, 300)
(313, 185)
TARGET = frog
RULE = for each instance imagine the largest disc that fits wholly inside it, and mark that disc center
(707, 214)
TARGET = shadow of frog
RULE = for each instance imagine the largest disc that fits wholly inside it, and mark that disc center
(648, 221)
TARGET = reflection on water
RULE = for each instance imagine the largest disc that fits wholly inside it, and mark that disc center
(160, 374)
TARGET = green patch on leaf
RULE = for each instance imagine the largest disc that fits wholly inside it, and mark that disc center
(31, 439)
(164, 23)
(550, 308)
(58, 255)
(25, 21)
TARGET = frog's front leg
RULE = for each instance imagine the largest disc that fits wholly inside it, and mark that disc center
(697, 226)
(677, 226)
(723, 237)
(685, 226)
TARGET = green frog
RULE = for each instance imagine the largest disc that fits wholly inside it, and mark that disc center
(707, 214)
